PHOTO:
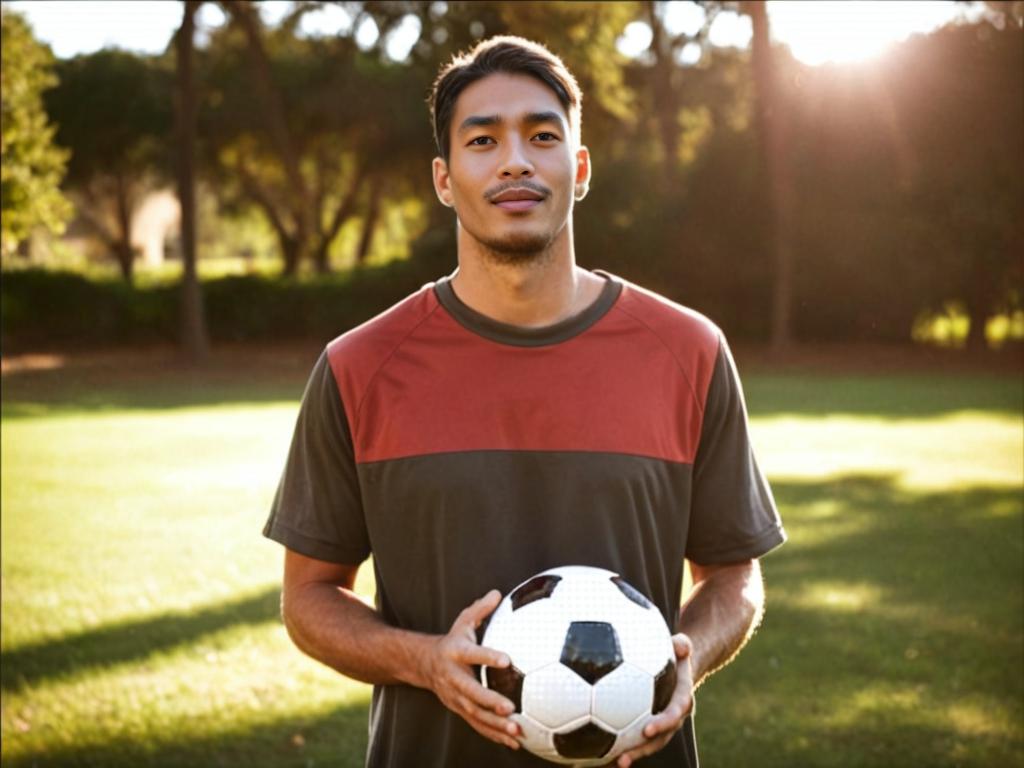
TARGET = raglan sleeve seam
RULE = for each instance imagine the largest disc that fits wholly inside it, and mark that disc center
(675, 359)
(387, 359)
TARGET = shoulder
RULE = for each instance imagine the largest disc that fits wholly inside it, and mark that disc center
(357, 354)
(692, 340)
(677, 326)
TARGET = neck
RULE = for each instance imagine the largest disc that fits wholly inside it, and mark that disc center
(539, 291)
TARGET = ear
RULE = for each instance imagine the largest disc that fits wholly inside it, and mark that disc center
(442, 182)
(582, 172)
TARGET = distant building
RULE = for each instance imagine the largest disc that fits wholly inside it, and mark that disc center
(156, 222)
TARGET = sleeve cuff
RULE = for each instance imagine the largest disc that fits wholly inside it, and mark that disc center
(311, 547)
(760, 545)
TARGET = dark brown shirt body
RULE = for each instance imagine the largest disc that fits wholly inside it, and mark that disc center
(466, 455)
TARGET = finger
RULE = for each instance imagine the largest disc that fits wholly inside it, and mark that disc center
(485, 722)
(468, 686)
(671, 718)
(475, 613)
(470, 653)
(498, 736)
(487, 718)
(682, 645)
(626, 759)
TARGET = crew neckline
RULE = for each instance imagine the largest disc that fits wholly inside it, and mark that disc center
(520, 336)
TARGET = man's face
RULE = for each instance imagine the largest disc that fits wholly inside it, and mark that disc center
(513, 169)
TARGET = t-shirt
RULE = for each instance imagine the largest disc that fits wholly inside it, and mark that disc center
(467, 454)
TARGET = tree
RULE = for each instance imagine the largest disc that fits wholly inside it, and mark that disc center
(32, 166)
(113, 111)
(960, 101)
(283, 127)
(193, 329)
(774, 141)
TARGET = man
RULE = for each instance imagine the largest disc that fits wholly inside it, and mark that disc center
(521, 414)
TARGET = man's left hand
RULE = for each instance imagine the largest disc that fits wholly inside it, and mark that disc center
(662, 727)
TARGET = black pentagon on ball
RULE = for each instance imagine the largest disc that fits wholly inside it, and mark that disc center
(536, 588)
(508, 681)
(664, 685)
(632, 592)
(587, 741)
(591, 649)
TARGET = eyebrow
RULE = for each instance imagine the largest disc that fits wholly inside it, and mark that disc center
(530, 118)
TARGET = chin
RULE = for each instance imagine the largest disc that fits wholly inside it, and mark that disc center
(519, 247)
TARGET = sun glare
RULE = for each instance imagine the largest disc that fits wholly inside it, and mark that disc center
(854, 30)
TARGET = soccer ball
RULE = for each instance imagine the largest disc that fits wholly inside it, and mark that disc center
(592, 662)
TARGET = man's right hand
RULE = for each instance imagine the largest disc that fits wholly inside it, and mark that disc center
(449, 673)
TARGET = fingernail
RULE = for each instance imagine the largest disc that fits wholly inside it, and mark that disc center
(512, 728)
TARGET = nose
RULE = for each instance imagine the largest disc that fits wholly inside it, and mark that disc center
(515, 163)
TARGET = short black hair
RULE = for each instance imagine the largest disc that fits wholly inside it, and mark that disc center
(506, 54)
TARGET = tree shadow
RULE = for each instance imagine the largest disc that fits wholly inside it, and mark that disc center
(30, 665)
(928, 588)
(337, 738)
(893, 633)
(158, 380)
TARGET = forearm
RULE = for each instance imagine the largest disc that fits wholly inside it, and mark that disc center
(720, 615)
(334, 626)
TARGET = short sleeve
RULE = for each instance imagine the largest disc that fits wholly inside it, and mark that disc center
(732, 514)
(317, 510)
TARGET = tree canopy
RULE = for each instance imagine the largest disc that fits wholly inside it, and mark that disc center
(901, 178)
(32, 166)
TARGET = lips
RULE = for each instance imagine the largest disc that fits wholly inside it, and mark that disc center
(517, 199)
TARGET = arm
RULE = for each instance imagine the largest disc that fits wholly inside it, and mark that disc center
(719, 616)
(331, 623)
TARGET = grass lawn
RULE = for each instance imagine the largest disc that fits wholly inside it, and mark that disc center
(140, 601)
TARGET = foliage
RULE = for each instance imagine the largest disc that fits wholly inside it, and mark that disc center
(49, 309)
(32, 167)
(114, 113)
(905, 171)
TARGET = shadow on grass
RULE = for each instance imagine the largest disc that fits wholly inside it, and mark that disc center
(130, 641)
(337, 739)
(893, 634)
(238, 375)
(893, 637)
(158, 381)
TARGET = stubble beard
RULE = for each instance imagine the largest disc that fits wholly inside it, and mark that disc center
(518, 249)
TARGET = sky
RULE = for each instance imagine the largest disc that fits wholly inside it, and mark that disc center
(817, 31)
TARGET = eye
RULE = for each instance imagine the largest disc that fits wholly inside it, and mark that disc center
(546, 136)
(480, 141)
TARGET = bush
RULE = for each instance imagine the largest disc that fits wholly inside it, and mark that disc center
(44, 309)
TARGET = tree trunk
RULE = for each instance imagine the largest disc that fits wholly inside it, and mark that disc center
(778, 181)
(194, 341)
(125, 259)
(123, 241)
(369, 222)
(665, 96)
(981, 298)
(272, 107)
(291, 249)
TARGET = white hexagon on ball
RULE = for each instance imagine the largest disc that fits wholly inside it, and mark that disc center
(556, 696)
(623, 696)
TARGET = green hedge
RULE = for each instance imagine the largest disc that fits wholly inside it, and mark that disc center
(43, 309)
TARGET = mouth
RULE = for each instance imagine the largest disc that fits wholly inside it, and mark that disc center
(518, 199)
